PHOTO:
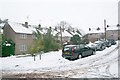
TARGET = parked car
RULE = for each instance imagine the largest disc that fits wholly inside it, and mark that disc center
(92, 46)
(112, 41)
(76, 51)
(106, 42)
(100, 45)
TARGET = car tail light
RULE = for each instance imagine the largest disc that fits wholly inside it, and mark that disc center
(73, 50)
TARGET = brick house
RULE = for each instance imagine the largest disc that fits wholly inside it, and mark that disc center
(112, 32)
(20, 34)
(95, 34)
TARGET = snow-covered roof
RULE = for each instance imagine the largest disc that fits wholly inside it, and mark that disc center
(2, 24)
(82, 32)
(75, 33)
(54, 32)
(96, 31)
(44, 30)
(19, 28)
(113, 28)
(66, 34)
(33, 29)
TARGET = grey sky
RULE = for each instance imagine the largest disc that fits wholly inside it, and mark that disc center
(79, 13)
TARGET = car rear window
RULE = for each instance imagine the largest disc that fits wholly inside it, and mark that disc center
(66, 48)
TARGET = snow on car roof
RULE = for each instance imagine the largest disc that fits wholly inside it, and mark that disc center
(70, 45)
(98, 41)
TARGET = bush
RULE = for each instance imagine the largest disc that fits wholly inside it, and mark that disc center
(46, 43)
(75, 39)
(49, 42)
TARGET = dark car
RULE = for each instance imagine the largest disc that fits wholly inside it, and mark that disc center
(76, 51)
(112, 41)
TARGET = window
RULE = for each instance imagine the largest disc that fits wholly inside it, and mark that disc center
(23, 36)
(23, 47)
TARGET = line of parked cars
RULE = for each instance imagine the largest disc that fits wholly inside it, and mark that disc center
(102, 44)
(79, 51)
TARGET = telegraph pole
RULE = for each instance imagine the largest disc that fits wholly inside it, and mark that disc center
(61, 37)
(105, 28)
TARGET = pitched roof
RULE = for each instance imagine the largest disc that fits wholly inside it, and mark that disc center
(113, 28)
(19, 28)
(96, 31)
(66, 34)
(1, 25)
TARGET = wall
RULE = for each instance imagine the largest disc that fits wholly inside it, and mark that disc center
(20, 41)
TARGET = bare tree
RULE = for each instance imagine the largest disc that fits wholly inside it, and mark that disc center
(62, 26)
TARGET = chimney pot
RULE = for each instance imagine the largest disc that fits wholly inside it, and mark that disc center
(26, 24)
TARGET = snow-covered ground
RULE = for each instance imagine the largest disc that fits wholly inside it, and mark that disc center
(101, 65)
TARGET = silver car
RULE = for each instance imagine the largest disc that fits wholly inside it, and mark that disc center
(99, 45)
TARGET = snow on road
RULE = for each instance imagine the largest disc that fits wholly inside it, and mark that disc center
(103, 64)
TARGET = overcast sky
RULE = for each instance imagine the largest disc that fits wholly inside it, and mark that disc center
(79, 13)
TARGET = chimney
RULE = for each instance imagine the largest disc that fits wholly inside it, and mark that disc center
(39, 26)
(89, 29)
(26, 24)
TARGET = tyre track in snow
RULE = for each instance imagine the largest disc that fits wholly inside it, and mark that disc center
(91, 65)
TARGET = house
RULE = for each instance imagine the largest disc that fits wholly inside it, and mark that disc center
(95, 34)
(20, 34)
(112, 32)
(66, 36)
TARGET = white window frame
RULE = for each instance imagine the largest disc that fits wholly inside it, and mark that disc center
(23, 36)
(23, 47)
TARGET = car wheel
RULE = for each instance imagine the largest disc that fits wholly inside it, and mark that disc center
(79, 56)
(93, 52)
